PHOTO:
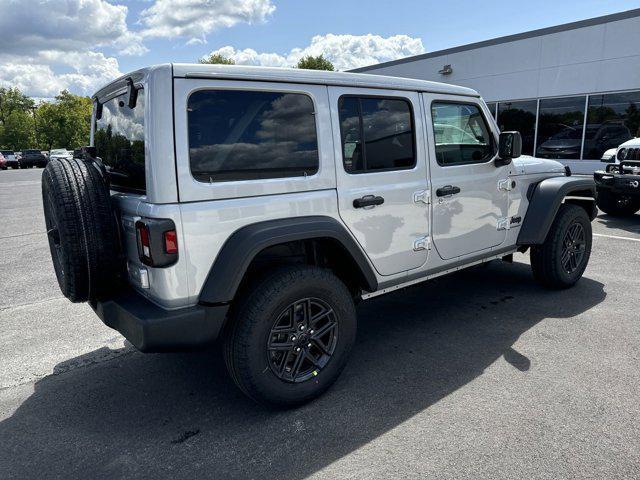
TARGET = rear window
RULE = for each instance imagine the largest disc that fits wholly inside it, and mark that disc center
(6, 152)
(250, 135)
(119, 141)
(32, 151)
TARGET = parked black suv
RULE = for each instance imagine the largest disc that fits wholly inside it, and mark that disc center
(33, 158)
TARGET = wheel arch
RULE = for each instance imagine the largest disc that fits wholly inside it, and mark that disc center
(244, 246)
(545, 198)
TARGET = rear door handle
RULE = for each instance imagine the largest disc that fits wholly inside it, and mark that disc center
(447, 190)
(368, 201)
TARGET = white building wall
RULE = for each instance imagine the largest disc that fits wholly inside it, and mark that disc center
(597, 58)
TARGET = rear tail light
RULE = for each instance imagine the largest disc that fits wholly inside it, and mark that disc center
(170, 242)
(157, 242)
(144, 243)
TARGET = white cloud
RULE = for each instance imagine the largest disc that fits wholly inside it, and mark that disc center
(249, 56)
(50, 45)
(49, 72)
(64, 25)
(194, 19)
(344, 51)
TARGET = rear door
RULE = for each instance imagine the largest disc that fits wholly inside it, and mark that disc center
(469, 200)
(381, 173)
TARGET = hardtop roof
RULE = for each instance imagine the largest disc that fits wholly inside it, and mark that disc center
(291, 75)
(322, 77)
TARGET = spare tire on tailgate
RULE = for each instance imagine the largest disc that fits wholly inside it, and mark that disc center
(82, 230)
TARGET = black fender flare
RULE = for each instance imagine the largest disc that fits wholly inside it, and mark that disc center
(244, 244)
(545, 199)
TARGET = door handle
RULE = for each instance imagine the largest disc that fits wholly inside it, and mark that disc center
(368, 201)
(447, 190)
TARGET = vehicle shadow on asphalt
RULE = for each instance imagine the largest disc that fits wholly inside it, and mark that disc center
(179, 415)
(630, 224)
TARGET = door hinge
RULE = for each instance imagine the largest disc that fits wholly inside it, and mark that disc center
(423, 196)
(506, 184)
(503, 224)
(422, 243)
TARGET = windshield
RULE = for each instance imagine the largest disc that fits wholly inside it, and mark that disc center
(119, 141)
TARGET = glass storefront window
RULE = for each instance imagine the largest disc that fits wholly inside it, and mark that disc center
(521, 117)
(560, 125)
(612, 119)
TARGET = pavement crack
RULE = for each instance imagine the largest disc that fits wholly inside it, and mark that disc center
(20, 305)
(22, 235)
(184, 436)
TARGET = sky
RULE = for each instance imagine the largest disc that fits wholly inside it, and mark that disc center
(79, 45)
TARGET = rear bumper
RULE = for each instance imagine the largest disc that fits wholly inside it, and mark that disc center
(618, 183)
(151, 328)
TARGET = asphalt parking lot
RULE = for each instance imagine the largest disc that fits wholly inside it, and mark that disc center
(478, 375)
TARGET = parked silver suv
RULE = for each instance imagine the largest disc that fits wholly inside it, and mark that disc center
(260, 204)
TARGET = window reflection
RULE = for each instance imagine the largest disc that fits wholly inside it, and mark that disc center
(492, 108)
(560, 126)
(386, 125)
(612, 119)
(249, 135)
(119, 142)
(352, 150)
(461, 134)
(519, 117)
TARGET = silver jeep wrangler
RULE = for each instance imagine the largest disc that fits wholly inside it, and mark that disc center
(258, 205)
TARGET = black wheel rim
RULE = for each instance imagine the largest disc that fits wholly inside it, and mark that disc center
(302, 340)
(574, 246)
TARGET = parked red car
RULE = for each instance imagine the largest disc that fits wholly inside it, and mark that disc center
(3, 162)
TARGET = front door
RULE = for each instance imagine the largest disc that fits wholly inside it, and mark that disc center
(381, 174)
(469, 202)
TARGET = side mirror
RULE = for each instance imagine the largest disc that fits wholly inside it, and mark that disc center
(509, 147)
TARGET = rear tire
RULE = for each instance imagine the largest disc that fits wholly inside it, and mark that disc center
(81, 228)
(617, 205)
(274, 319)
(563, 257)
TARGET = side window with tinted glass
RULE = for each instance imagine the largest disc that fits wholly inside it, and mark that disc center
(377, 134)
(461, 134)
(251, 135)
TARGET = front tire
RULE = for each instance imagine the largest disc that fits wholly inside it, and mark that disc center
(563, 257)
(617, 205)
(291, 336)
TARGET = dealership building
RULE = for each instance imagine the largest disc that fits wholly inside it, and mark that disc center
(573, 90)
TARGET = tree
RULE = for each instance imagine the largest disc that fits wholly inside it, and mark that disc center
(217, 59)
(65, 123)
(315, 63)
(47, 124)
(12, 99)
(18, 131)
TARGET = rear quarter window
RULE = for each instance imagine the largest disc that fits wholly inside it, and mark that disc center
(251, 135)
